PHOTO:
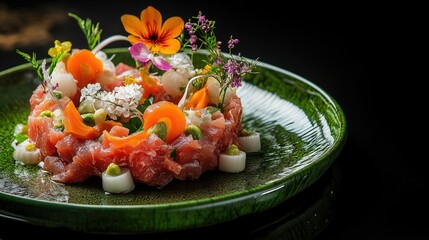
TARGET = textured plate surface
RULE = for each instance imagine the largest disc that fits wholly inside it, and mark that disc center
(302, 130)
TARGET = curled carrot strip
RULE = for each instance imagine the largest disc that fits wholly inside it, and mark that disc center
(200, 99)
(73, 123)
(169, 113)
(132, 140)
(84, 67)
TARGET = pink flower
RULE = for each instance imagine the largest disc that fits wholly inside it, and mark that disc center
(140, 53)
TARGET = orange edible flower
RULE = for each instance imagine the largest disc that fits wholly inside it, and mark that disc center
(206, 69)
(149, 83)
(149, 29)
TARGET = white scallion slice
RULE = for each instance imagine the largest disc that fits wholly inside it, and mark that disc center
(27, 153)
(232, 163)
(250, 143)
(120, 183)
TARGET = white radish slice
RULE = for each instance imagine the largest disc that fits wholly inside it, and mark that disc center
(173, 82)
(230, 92)
(232, 163)
(122, 183)
(25, 154)
(109, 71)
(213, 86)
(251, 143)
(63, 80)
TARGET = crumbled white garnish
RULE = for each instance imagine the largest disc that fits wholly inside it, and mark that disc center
(197, 116)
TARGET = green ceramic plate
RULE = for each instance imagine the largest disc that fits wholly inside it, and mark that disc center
(303, 129)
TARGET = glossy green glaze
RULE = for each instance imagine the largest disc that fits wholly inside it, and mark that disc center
(302, 130)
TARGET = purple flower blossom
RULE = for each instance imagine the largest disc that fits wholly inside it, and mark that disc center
(232, 42)
(193, 39)
(237, 82)
(201, 18)
(228, 70)
(188, 26)
(140, 53)
(231, 67)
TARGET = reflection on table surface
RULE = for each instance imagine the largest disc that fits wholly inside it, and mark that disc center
(303, 216)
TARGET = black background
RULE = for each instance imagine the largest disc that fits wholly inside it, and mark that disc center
(364, 56)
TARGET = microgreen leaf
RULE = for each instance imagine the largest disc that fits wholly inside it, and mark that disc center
(92, 32)
(147, 102)
(173, 153)
(55, 60)
(34, 63)
(134, 124)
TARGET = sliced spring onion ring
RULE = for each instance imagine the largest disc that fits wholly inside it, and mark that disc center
(251, 143)
(122, 183)
(232, 163)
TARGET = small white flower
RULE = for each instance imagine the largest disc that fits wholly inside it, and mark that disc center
(122, 101)
(90, 91)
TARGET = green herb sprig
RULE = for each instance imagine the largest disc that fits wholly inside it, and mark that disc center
(92, 32)
(34, 63)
